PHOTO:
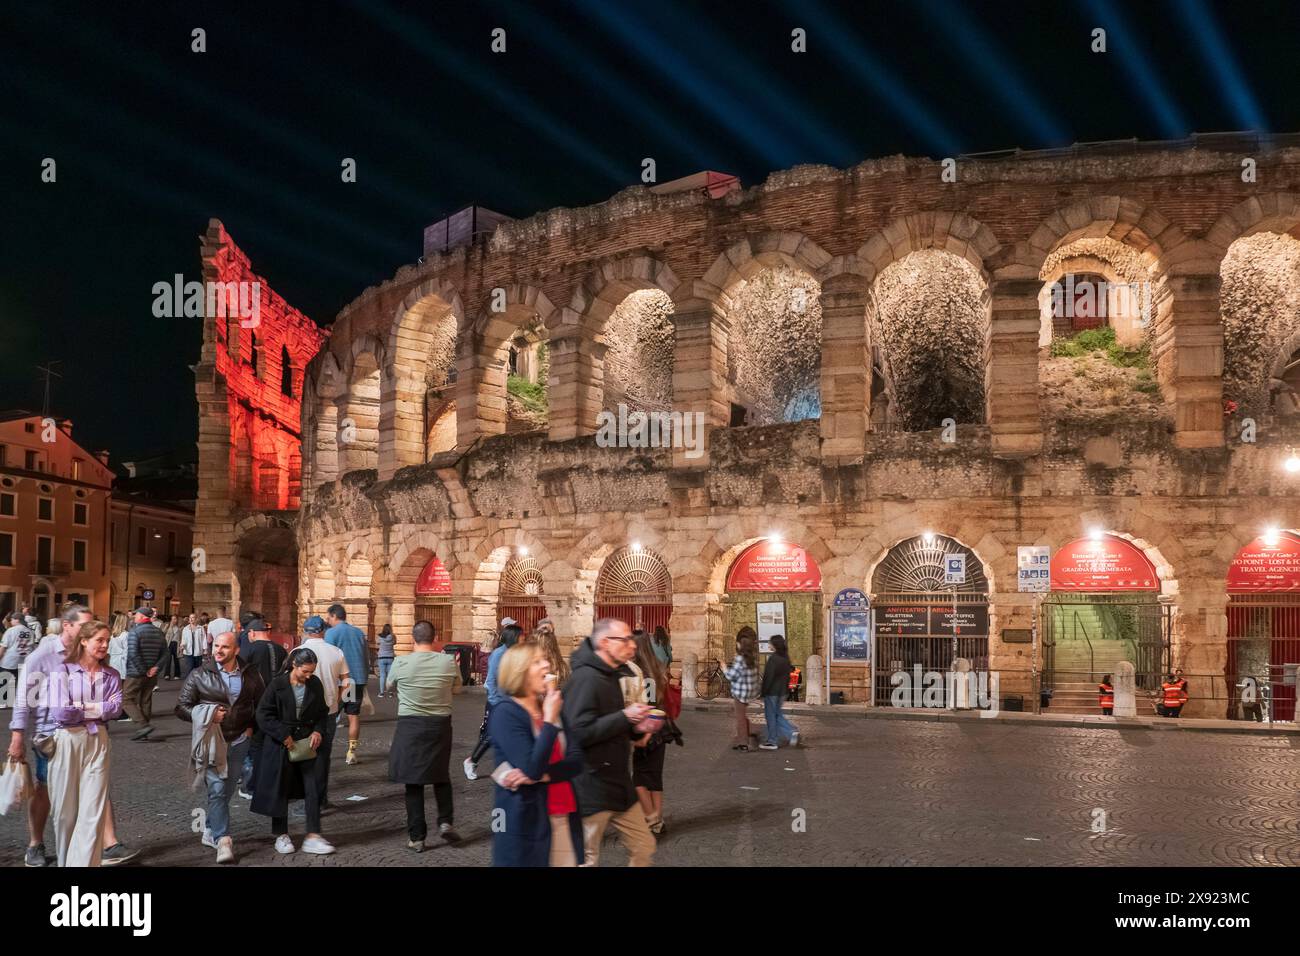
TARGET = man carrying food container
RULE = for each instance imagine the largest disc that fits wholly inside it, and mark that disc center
(606, 729)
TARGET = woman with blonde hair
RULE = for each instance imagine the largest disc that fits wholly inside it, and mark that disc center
(542, 823)
(84, 693)
(117, 639)
(544, 637)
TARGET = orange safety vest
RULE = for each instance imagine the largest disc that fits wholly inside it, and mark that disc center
(1175, 696)
(794, 678)
(1106, 694)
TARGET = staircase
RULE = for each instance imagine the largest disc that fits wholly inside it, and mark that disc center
(1083, 656)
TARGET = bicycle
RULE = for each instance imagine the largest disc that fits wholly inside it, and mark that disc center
(710, 682)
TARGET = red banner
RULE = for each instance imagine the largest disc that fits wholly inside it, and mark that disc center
(774, 566)
(1260, 566)
(434, 579)
(1107, 564)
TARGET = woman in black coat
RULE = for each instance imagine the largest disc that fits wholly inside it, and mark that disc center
(538, 803)
(293, 708)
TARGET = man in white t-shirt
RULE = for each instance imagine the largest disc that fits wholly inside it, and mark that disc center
(219, 625)
(332, 669)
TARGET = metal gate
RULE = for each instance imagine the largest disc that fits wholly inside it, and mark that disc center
(1263, 635)
(1144, 627)
(634, 586)
(439, 615)
(933, 650)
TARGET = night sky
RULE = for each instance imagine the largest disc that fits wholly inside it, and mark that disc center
(151, 139)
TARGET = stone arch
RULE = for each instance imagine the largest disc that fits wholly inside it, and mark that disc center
(763, 322)
(420, 359)
(576, 334)
(930, 237)
(516, 312)
(1259, 298)
(358, 407)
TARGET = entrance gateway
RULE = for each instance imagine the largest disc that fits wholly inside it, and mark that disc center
(922, 621)
(433, 598)
(634, 586)
(1104, 608)
(1264, 620)
(775, 587)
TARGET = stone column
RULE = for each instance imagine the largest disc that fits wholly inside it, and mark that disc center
(1125, 690)
(700, 370)
(401, 423)
(575, 389)
(1189, 358)
(1011, 376)
(480, 396)
(846, 369)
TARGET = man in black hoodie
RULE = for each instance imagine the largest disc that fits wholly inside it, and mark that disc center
(594, 710)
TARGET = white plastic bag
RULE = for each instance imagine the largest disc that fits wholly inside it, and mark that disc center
(15, 785)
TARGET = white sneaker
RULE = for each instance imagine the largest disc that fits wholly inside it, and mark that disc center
(283, 844)
(225, 850)
(470, 773)
(207, 839)
(317, 844)
(794, 739)
(767, 746)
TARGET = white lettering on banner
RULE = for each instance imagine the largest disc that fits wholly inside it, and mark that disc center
(75, 909)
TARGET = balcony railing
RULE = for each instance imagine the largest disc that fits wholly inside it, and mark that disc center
(49, 568)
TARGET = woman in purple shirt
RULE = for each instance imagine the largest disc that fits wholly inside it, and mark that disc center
(84, 693)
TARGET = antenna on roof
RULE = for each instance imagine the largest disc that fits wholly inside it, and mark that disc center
(47, 370)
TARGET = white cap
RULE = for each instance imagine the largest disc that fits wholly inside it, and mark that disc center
(507, 621)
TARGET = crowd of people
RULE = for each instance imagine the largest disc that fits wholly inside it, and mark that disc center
(579, 743)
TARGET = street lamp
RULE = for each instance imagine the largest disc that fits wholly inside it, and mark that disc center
(1272, 536)
(1292, 463)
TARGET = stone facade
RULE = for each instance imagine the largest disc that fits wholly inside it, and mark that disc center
(1179, 484)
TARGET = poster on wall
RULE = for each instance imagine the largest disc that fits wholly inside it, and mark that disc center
(434, 579)
(1107, 563)
(850, 636)
(972, 620)
(771, 621)
(903, 619)
(1266, 564)
(774, 566)
(1033, 568)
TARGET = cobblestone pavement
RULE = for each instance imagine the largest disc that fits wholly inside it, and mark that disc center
(898, 793)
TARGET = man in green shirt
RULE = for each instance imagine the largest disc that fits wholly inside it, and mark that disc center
(421, 751)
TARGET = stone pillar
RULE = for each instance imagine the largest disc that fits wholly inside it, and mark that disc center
(1125, 690)
(480, 395)
(960, 677)
(1011, 376)
(401, 423)
(690, 667)
(1200, 648)
(814, 670)
(846, 369)
(1189, 358)
(700, 370)
(575, 389)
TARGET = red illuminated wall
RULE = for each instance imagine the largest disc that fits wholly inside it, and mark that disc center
(265, 460)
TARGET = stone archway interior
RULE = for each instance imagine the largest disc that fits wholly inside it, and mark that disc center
(774, 347)
(929, 313)
(1260, 298)
(638, 364)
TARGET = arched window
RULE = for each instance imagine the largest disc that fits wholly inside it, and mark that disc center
(286, 373)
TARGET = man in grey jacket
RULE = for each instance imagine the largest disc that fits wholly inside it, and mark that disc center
(146, 647)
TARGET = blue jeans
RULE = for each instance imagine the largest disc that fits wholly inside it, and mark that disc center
(221, 789)
(385, 663)
(778, 728)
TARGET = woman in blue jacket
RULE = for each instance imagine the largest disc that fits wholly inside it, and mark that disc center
(543, 825)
